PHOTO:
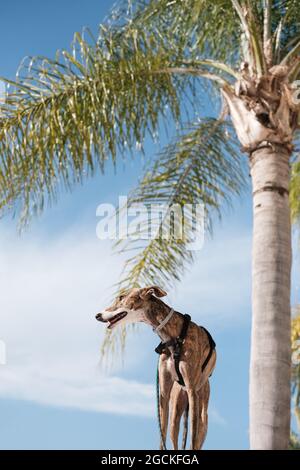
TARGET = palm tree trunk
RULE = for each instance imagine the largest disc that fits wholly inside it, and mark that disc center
(271, 272)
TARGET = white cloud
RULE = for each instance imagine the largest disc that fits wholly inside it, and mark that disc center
(50, 292)
(83, 389)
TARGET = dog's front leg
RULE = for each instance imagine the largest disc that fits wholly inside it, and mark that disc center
(178, 405)
(165, 385)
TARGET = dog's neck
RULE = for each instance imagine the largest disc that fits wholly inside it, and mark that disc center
(172, 328)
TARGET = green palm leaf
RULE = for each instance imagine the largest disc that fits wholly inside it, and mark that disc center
(202, 166)
(285, 26)
(63, 118)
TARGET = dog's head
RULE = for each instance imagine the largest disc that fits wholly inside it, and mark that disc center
(131, 307)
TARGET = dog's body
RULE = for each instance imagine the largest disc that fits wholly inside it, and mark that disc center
(143, 305)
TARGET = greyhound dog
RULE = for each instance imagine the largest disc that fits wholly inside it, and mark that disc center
(145, 305)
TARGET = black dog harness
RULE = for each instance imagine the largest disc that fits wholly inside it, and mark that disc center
(176, 345)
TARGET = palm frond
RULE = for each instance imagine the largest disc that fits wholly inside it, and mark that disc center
(204, 28)
(267, 34)
(285, 24)
(248, 15)
(271, 30)
(202, 166)
(63, 118)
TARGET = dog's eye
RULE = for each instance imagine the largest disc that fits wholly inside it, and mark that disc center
(122, 295)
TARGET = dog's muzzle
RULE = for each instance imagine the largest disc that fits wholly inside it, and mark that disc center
(113, 319)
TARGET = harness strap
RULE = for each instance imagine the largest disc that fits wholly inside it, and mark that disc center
(179, 375)
(212, 345)
(186, 322)
(176, 344)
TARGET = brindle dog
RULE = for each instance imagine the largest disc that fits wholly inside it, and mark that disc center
(144, 305)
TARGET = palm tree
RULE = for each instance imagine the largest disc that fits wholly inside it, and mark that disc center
(155, 61)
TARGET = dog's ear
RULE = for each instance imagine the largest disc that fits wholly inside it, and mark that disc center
(152, 290)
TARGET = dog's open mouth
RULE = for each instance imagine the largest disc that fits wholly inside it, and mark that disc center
(116, 318)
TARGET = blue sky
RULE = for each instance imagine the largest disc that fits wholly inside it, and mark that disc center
(57, 275)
